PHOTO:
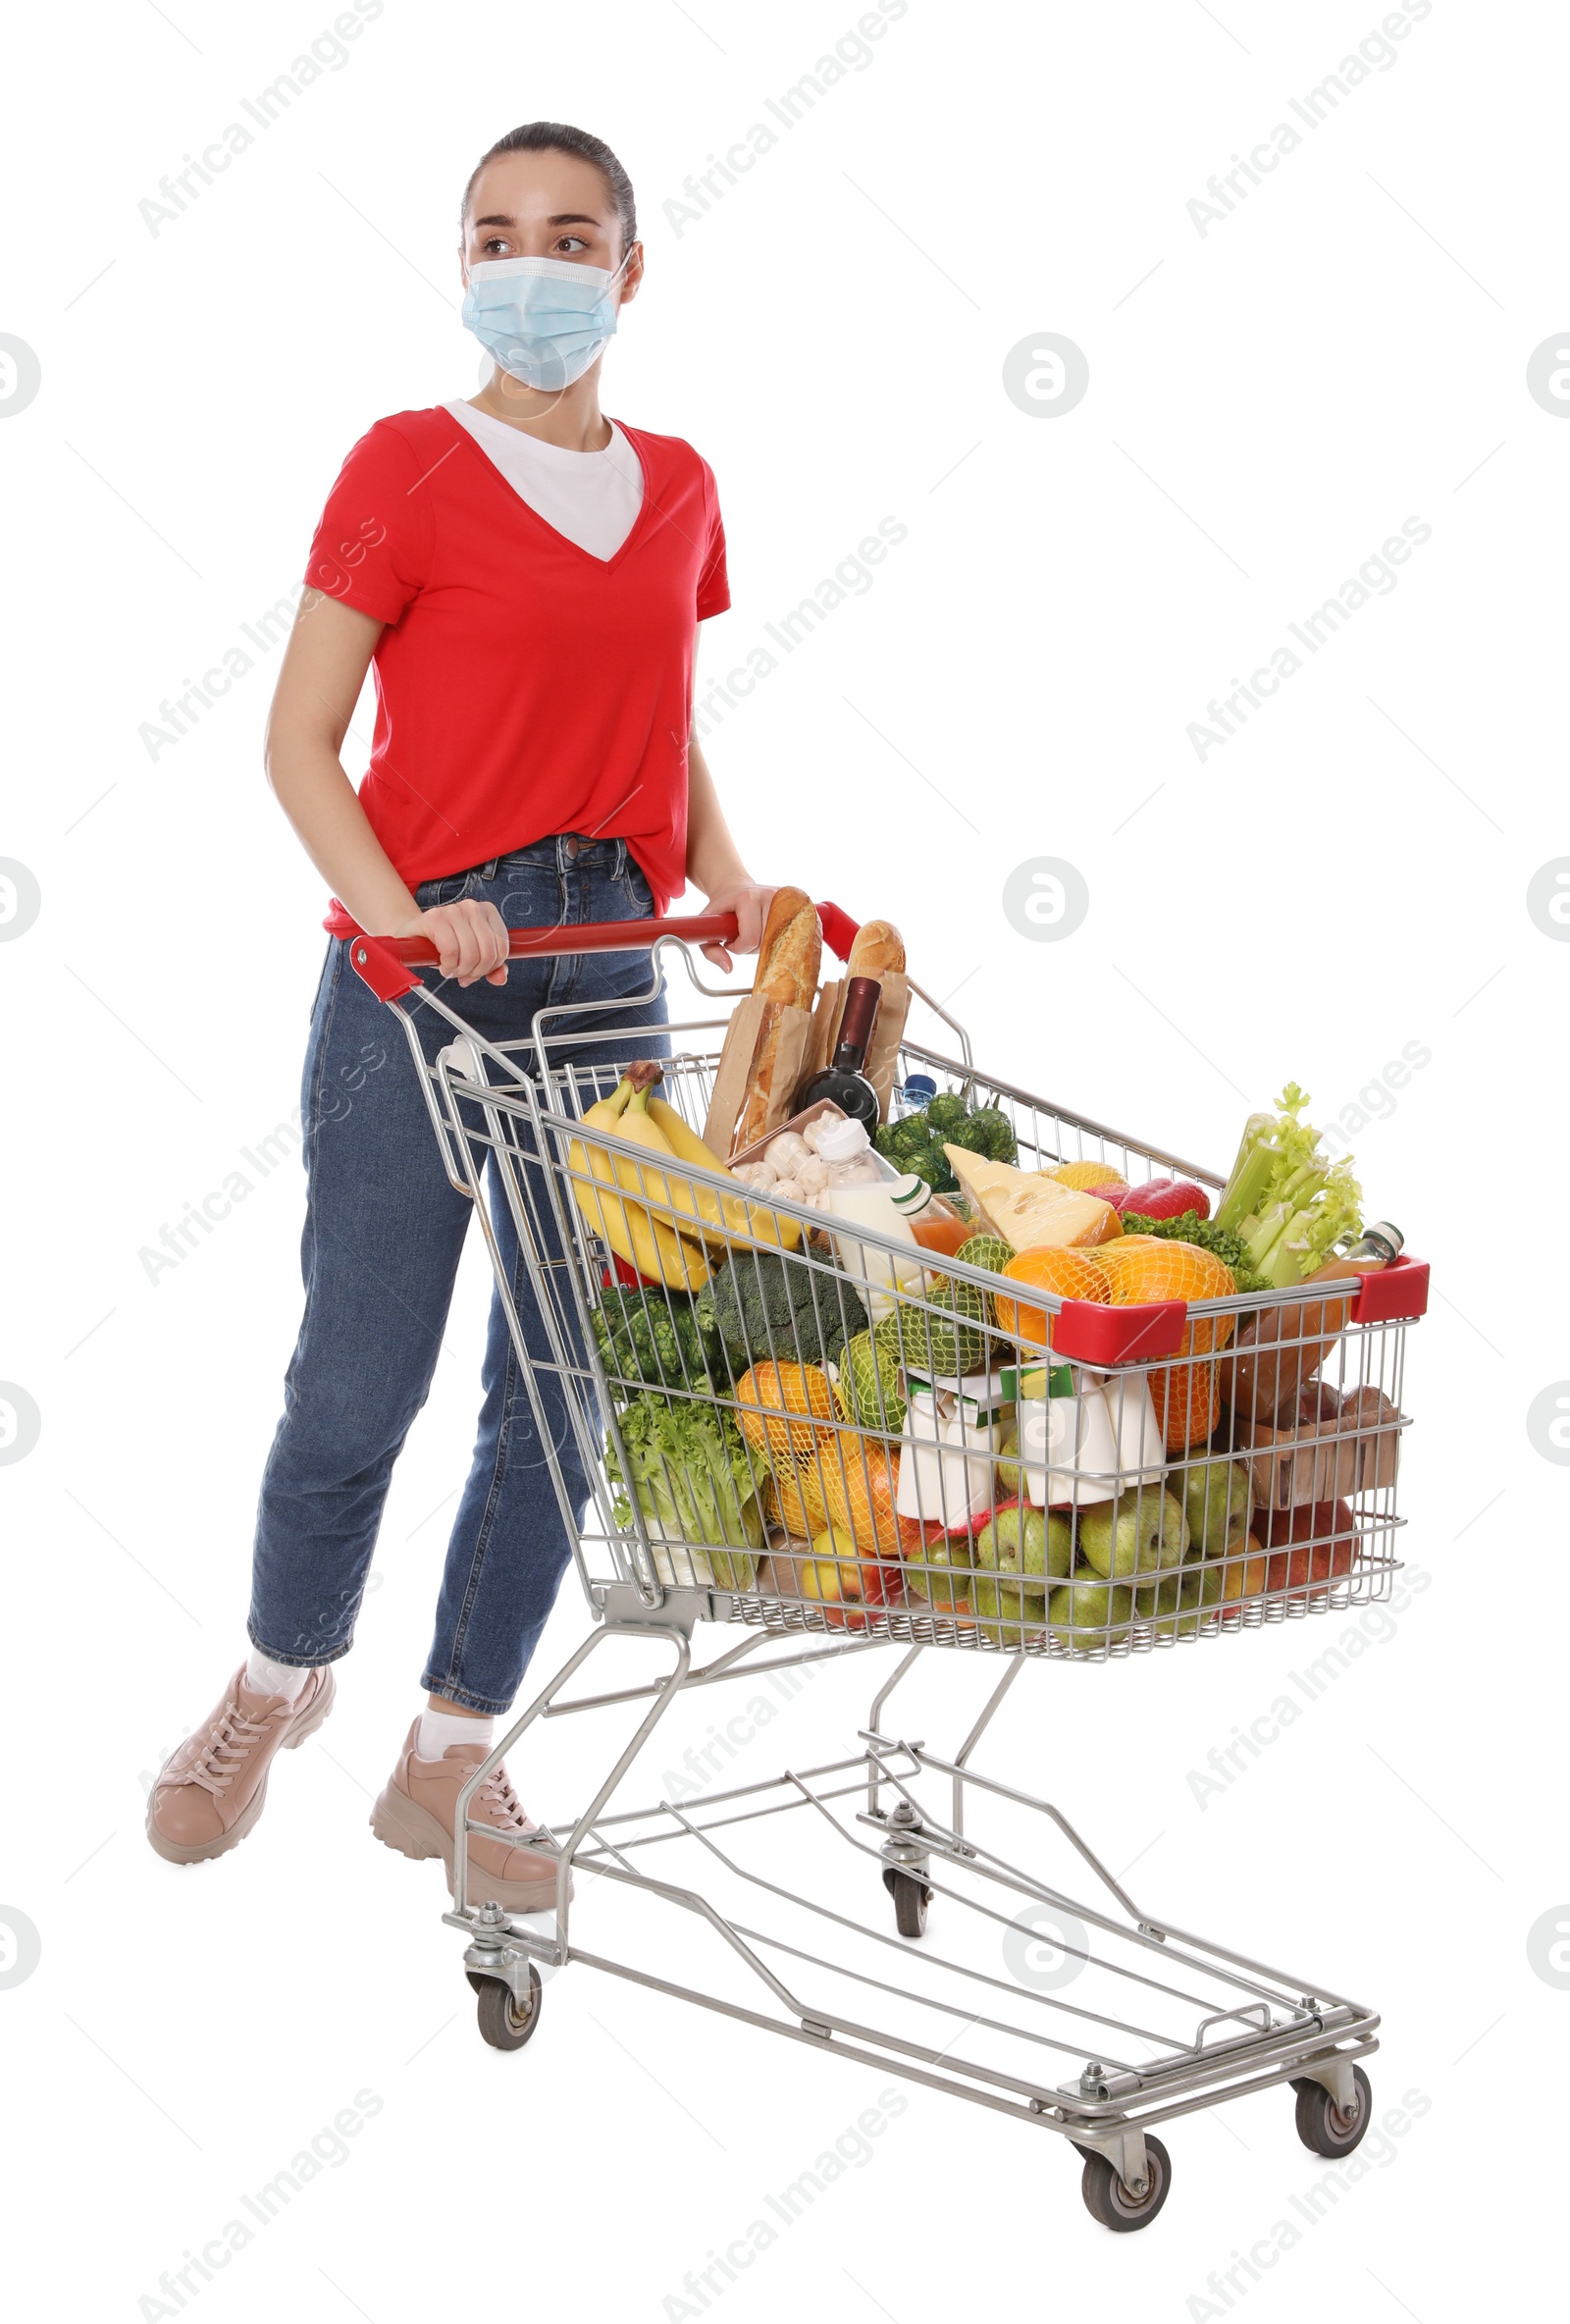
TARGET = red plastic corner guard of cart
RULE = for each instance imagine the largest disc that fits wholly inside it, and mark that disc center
(1106, 1336)
(1085, 1332)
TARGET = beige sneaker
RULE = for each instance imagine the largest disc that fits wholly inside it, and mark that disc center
(213, 1788)
(418, 1810)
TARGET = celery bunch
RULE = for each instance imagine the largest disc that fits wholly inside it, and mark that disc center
(1285, 1198)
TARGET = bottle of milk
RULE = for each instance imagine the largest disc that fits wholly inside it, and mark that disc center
(863, 1191)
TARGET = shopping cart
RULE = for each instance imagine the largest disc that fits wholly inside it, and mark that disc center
(806, 1363)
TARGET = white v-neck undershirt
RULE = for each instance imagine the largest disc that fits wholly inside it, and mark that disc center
(592, 497)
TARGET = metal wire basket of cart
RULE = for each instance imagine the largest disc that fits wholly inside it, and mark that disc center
(754, 1422)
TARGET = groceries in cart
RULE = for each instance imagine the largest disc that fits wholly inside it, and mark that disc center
(943, 1364)
(951, 1377)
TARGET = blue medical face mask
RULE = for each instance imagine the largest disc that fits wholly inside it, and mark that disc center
(544, 320)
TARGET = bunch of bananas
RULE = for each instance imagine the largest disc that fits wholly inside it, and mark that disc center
(674, 1226)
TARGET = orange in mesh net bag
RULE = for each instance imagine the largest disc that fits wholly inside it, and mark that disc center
(1147, 1268)
(1070, 1274)
(1141, 1269)
(1185, 1398)
(859, 1479)
(785, 1387)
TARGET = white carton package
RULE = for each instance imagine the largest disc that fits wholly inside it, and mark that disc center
(1141, 1447)
(946, 1458)
(1089, 1439)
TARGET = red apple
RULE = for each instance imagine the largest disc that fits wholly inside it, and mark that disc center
(1327, 1534)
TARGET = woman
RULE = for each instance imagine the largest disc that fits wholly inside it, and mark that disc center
(525, 577)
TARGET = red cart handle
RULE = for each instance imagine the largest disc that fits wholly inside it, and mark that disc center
(384, 961)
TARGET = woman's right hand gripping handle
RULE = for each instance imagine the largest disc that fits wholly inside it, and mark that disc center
(470, 938)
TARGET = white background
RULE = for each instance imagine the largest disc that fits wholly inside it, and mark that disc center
(1267, 403)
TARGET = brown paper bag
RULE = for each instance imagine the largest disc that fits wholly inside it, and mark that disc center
(884, 1053)
(751, 1020)
(1353, 1449)
(825, 1024)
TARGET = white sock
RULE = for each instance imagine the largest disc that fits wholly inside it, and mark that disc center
(441, 1729)
(264, 1676)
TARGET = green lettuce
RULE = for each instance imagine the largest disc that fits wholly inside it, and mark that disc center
(694, 1479)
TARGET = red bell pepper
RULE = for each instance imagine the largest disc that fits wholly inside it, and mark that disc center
(1163, 1198)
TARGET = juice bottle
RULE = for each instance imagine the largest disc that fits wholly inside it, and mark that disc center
(936, 1226)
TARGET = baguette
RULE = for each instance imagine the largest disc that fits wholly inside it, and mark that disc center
(791, 953)
(878, 950)
(756, 1098)
(789, 959)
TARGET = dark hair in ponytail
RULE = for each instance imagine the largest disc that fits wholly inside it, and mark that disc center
(558, 136)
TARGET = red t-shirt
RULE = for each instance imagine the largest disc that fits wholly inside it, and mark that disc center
(523, 686)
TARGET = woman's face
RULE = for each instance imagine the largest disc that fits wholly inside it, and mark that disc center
(547, 205)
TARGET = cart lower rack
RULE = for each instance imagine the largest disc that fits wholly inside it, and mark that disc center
(751, 1440)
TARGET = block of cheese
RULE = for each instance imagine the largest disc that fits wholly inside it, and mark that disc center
(1030, 1209)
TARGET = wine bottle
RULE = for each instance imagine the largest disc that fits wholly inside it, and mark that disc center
(842, 1078)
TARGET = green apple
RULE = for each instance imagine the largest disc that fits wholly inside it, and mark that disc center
(1022, 1540)
(1009, 1478)
(1217, 1501)
(1085, 1614)
(1141, 1532)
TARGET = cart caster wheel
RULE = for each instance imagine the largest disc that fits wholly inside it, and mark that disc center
(1109, 2201)
(912, 1896)
(503, 2023)
(1321, 2124)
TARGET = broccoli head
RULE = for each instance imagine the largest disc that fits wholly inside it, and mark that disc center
(652, 1335)
(764, 1305)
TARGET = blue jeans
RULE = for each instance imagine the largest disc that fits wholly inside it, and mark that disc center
(384, 1230)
